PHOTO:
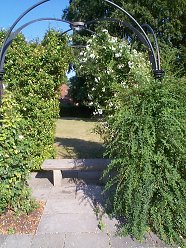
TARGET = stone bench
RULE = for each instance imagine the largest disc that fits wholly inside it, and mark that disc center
(60, 165)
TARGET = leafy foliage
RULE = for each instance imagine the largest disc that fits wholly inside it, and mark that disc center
(144, 133)
(165, 17)
(146, 138)
(14, 153)
(30, 106)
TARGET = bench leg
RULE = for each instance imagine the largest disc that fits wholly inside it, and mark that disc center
(57, 177)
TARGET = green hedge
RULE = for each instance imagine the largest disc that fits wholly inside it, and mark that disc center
(147, 139)
(30, 107)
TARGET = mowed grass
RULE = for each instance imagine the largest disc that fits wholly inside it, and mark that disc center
(75, 138)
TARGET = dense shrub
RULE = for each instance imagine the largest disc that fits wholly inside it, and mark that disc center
(144, 133)
(34, 73)
(30, 106)
(146, 138)
(14, 152)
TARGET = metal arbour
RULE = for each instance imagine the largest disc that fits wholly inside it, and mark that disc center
(154, 55)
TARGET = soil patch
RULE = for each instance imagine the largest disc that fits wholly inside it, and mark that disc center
(10, 223)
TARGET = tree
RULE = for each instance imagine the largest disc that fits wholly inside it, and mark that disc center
(166, 18)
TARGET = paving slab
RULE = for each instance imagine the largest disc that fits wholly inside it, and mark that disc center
(41, 194)
(87, 240)
(48, 241)
(109, 225)
(17, 241)
(68, 223)
(67, 206)
(128, 242)
(69, 219)
(40, 180)
(2, 239)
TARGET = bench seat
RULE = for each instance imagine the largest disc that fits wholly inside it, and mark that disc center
(58, 165)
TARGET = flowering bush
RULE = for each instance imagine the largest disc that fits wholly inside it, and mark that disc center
(144, 133)
(106, 63)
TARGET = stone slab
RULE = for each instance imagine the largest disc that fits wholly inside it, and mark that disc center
(17, 241)
(75, 164)
(87, 240)
(68, 223)
(110, 225)
(41, 194)
(93, 192)
(2, 239)
(67, 206)
(48, 241)
(128, 242)
(57, 178)
(43, 179)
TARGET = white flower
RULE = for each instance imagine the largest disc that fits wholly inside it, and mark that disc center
(97, 79)
(120, 66)
(131, 64)
(100, 111)
(88, 48)
(117, 55)
(113, 48)
(114, 39)
(21, 137)
(105, 31)
(89, 97)
(124, 85)
(89, 41)
(109, 71)
(84, 60)
(92, 55)
(103, 90)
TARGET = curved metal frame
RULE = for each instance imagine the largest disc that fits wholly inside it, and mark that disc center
(16, 22)
(154, 58)
(158, 73)
(17, 31)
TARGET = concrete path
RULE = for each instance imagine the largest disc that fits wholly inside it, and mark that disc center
(70, 219)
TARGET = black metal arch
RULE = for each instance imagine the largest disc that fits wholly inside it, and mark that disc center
(141, 34)
(11, 37)
(13, 26)
(158, 72)
(152, 56)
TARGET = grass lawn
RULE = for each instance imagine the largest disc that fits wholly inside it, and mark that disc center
(75, 138)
